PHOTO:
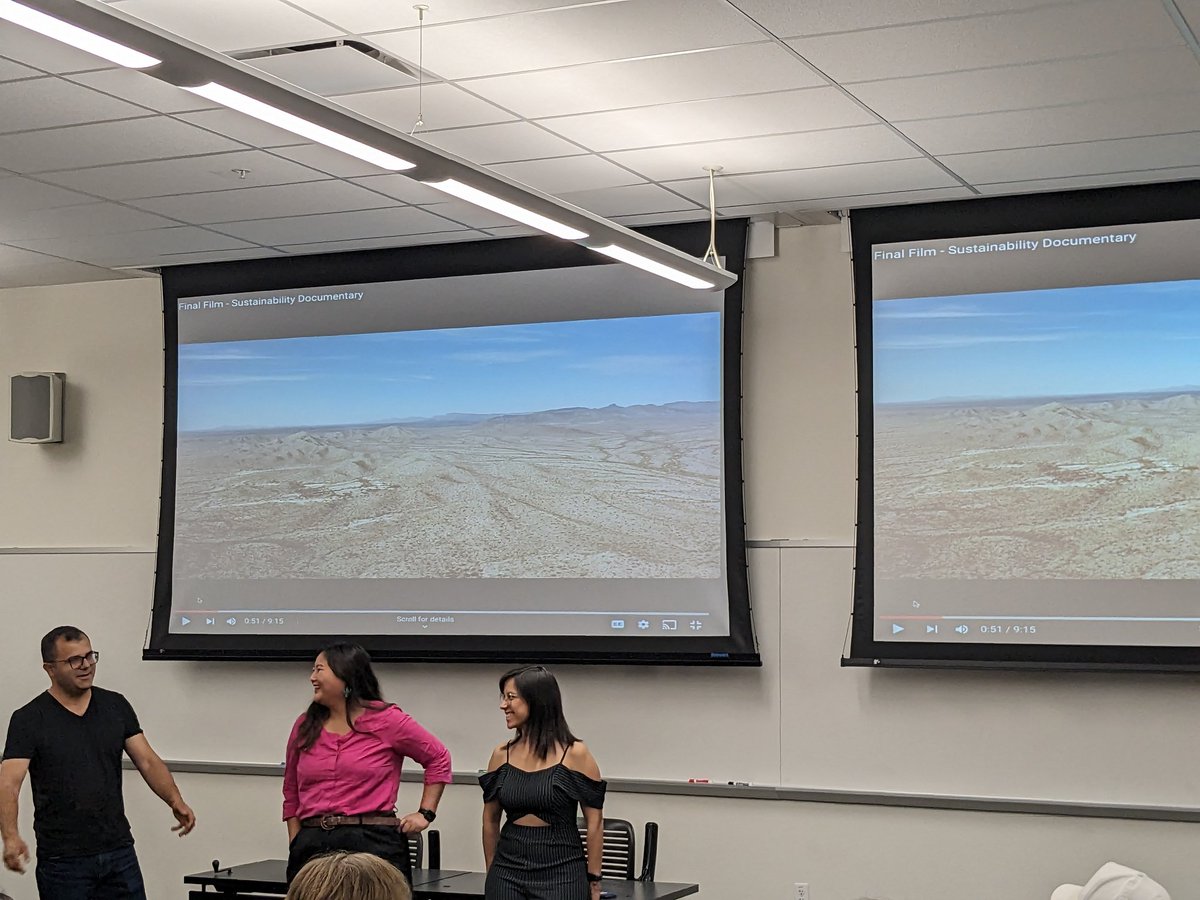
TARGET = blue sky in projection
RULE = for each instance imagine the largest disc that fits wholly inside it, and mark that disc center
(364, 378)
(1109, 339)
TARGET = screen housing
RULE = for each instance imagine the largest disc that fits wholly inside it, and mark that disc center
(968, 218)
(475, 258)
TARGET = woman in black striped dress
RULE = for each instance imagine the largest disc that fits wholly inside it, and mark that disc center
(539, 780)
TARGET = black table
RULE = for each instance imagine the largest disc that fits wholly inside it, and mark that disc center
(469, 886)
(268, 878)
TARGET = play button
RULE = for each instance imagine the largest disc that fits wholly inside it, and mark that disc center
(896, 629)
(184, 620)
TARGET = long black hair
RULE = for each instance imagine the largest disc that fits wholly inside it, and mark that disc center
(546, 725)
(352, 664)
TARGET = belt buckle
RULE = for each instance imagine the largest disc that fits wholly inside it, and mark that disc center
(328, 823)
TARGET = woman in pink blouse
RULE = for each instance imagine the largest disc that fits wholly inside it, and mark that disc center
(342, 769)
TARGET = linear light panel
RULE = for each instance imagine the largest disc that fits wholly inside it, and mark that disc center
(655, 268)
(218, 93)
(22, 15)
(510, 210)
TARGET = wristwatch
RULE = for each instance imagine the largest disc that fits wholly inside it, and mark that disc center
(593, 877)
(429, 814)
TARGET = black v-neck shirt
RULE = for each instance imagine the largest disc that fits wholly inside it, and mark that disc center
(75, 771)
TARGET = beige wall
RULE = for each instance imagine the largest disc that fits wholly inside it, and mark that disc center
(98, 487)
(799, 720)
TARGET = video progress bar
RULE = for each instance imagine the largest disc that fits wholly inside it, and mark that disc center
(674, 613)
(1043, 618)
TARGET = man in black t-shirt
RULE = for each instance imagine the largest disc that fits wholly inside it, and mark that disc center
(70, 741)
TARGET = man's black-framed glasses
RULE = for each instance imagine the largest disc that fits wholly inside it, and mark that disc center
(78, 662)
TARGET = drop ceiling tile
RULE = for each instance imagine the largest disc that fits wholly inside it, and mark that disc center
(266, 202)
(631, 200)
(1087, 181)
(21, 195)
(136, 87)
(705, 120)
(10, 70)
(787, 18)
(815, 184)
(513, 231)
(445, 106)
(326, 161)
(339, 226)
(1029, 87)
(68, 221)
(1097, 158)
(134, 248)
(207, 256)
(659, 218)
(51, 102)
(232, 24)
(862, 143)
(1037, 35)
(239, 127)
(384, 243)
(55, 272)
(185, 175)
(106, 142)
(678, 78)
(467, 214)
(570, 173)
(16, 256)
(862, 201)
(400, 187)
(365, 16)
(24, 46)
(1142, 116)
(507, 142)
(572, 36)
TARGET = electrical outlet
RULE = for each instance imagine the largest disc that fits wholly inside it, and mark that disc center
(801, 891)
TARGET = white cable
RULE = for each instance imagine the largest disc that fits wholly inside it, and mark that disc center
(711, 255)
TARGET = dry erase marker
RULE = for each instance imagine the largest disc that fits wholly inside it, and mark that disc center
(739, 784)
(697, 781)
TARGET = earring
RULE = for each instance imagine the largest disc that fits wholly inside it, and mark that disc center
(346, 692)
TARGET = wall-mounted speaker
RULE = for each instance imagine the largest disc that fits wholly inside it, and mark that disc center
(37, 404)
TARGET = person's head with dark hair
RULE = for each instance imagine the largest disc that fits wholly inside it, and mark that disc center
(348, 876)
(532, 706)
(50, 640)
(343, 682)
(69, 660)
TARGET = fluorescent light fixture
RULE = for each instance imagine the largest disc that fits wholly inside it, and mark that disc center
(510, 210)
(656, 268)
(22, 15)
(265, 112)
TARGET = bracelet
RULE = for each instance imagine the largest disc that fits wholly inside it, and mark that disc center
(593, 877)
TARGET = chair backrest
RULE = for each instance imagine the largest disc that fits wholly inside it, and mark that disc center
(416, 850)
(618, 848)
(618, 858)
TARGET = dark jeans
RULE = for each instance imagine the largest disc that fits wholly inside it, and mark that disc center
(113, 875)
(383, 841)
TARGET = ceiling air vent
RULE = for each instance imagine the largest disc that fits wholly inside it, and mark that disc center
(329, 68)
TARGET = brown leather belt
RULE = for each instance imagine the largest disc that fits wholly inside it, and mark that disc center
(328, 823)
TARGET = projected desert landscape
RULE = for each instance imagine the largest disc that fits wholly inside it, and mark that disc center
(1084, 487)
(627, 492)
